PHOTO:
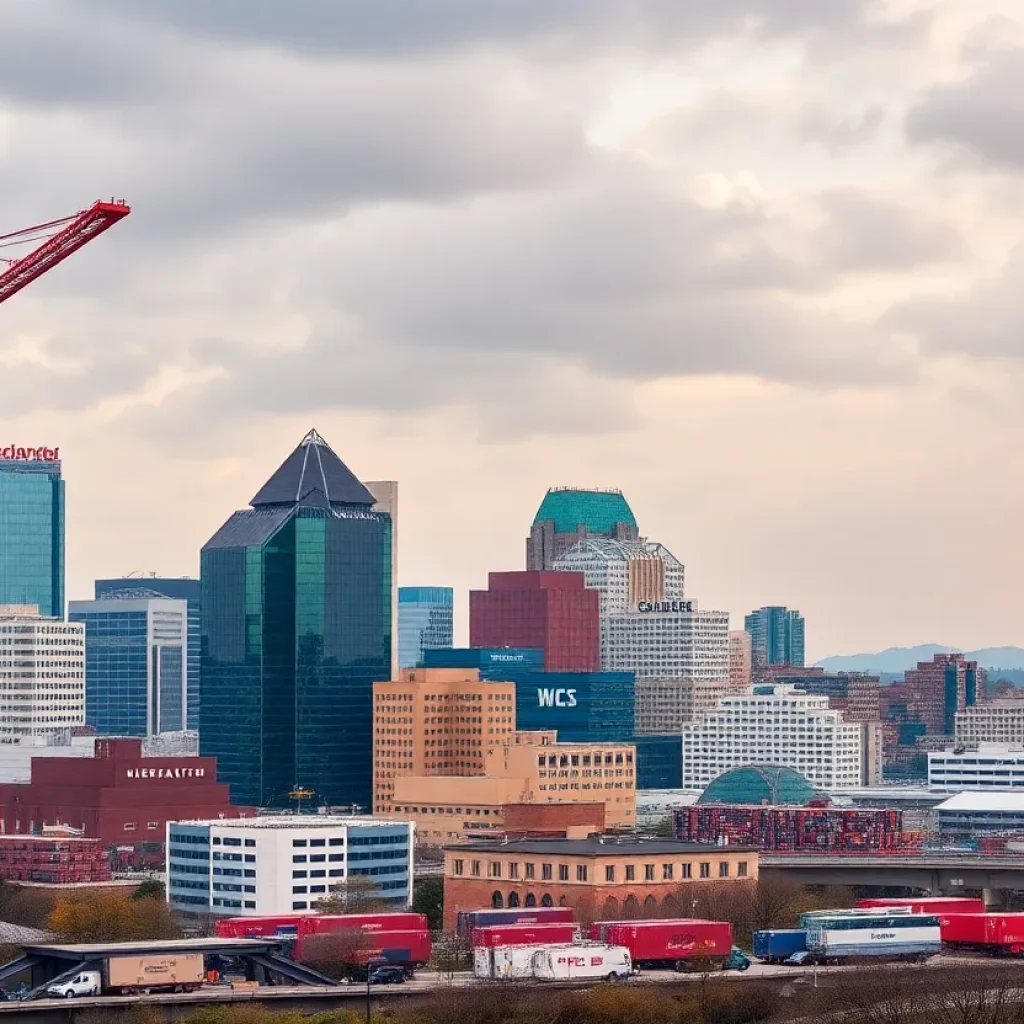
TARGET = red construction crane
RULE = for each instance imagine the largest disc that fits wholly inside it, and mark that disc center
(60, 238)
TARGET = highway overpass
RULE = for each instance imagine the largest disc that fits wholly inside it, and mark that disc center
(937, 874)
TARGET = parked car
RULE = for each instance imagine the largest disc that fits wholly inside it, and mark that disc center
(387, 975)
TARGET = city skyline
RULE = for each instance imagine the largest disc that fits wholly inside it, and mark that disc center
(498, 253)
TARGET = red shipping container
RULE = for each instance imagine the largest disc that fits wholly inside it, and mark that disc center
(995, 930)
(674, 939)
(929, 904)
(258, 927)
(400, 947)
(553, 933)
(320, 924)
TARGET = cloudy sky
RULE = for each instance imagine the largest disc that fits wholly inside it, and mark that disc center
(756, 262)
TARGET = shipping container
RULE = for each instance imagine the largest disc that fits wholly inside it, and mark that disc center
(559, 932)
(995, 934)
(775, 945)
(284, 925)
(564, 963)
(892, 933)
(318, 924)
(467, 920)
(928, 904)
(410, 949)
(674, 943)
(183, 971)
(504, 963)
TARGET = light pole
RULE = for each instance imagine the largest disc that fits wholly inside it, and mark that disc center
(373, 962)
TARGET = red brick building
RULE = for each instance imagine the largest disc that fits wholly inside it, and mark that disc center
(118, 796)
(553, 611)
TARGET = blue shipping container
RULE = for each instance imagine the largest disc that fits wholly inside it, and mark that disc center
(776, 945)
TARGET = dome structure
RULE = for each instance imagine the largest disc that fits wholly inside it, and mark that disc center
(759, 784)
(597, 512)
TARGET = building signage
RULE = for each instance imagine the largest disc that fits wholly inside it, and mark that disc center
(556, 698)
(41, 454)
(165, 773)
(666, 606)
(507, 657)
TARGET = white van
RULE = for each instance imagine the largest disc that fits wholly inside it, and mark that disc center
(565, 963)
(85, 983)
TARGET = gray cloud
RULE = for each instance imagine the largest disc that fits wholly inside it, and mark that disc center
(401, 27)
(818, 124)
(982, 115)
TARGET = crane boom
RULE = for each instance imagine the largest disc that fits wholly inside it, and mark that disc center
(77, 231)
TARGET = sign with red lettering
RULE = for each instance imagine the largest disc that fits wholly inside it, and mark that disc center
(40, 454)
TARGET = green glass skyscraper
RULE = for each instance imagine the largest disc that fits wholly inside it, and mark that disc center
(296, 628)
(32, 529)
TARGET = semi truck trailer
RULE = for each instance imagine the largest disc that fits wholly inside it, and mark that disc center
(129, 975)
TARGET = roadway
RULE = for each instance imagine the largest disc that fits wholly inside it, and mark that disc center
(309, 998)
(935, 873)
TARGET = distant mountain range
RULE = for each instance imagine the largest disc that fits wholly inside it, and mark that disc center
(899, 659)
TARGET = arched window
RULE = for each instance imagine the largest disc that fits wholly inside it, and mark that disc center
(561, 901)
(610, 910)
(631, 908)
(546, 900)
(531, 900)
(513, 899)
(497, 900)
(650, 906)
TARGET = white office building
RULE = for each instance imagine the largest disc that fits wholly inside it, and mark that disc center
(283, 864)
(42, 674)
(983, 766)
(776, 725)
(995, 721)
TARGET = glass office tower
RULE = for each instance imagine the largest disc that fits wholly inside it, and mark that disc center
(296, 628)
(178, 588)
(425, 622)
(32, 532)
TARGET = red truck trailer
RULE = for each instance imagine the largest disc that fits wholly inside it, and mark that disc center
(293, 925)
(928, 904)
(357, 946)
(320, 924)
(678, 943)
(558, 933)
(467, 920)
(994, 934)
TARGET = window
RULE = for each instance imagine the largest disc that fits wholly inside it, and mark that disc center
(317, 858)
(630, 872)
(475, 868)
(513, 870)
(741, 869)
(687, 870)
(318, 842)
(458, 867)
(318, 874)
(563, 872)
(152, 825)
(298, 874)
(298, 842)
(609, 874)
(648, 872)
(129, 826)
(495, 869)
(250, 858)
(336, 842)
(250, 842)
(581, 872)
(299, 858)
(723, 869)
(296, 889)
(705, 869)
(300, 906)
(545, 872)
(529, 871)
(250, 904)
(666, 872)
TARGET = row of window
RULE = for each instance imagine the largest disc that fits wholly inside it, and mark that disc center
(668, 872)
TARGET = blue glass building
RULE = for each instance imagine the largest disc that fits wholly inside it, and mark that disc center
(178, 588)
(776, 636)
(32, 530)
(585, 707)
(135, 665)
(425, 622)
(296, 628)
(659, 762)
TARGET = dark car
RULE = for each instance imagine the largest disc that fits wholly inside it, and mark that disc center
(387, 976)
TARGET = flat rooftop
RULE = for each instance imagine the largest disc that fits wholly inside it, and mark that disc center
(599, 846)
(292, 821)
(94, 950)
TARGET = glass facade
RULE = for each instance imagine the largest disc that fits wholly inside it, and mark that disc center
(585, 707)
(135, 681)
(425, 622)
(179, 589)
(659, 762)
(32, 535)
(776, 636)
(296, 628)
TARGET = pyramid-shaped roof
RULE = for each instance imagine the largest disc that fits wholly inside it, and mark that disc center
(313, 475)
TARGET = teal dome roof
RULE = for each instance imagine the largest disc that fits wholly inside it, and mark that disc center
(759, 784)
(598, 511)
